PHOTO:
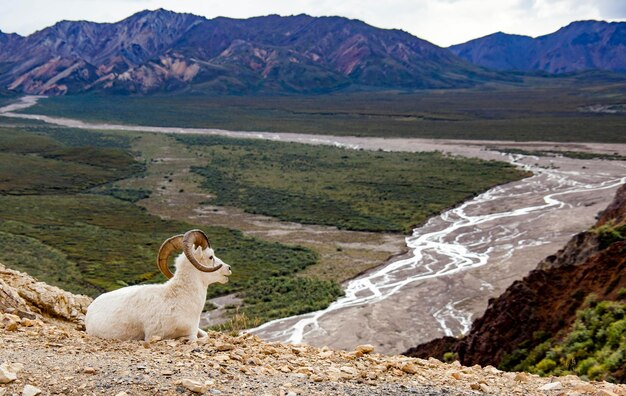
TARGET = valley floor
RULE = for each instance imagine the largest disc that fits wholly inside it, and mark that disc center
(507, 247)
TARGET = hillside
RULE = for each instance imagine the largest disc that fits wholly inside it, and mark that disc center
(162, 51)
(42, 348)
(544, 310)
(582, 45)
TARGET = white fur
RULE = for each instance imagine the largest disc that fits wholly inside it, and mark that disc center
(168, 310)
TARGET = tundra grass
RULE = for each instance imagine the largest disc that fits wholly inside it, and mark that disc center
(112, 243)
(54, 228)
(548, 109)
(349, 189)
(40, 161)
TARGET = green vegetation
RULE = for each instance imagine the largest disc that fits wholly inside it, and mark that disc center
(111, 243)
(594, 349)
(275, 296)
(555, 109)
(610, 232)
(125, 194)
(450, 357)
(39, 160)
(64, 222)
(356, 190)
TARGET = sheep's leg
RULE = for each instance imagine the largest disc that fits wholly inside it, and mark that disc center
(192, 337)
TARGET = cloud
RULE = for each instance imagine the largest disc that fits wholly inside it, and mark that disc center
(612, 9)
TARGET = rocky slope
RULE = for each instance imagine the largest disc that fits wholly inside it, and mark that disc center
(43, 349)
(166, 51)
(547, 300)
(582, 45)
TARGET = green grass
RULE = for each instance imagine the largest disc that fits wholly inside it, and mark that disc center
(40, 161)
(356, 190)
(538, 109)
(273, 296)
(594, 349)
(125, 194)
(610, 232)
(113, 243)
(55, 226)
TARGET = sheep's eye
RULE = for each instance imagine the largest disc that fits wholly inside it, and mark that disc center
(210, 257)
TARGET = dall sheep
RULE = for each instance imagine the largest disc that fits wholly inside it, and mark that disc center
(168, 310)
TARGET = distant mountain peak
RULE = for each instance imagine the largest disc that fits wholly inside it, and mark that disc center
(579, 46)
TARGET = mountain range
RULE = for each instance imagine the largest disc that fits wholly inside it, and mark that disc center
(162, 51)
(582, 45)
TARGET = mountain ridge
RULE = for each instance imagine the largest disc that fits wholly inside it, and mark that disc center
(161, 50)
(579, 46)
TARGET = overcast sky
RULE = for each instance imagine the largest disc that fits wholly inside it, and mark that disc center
(442, 22)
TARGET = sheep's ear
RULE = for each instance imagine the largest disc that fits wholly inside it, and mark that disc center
(198, 251)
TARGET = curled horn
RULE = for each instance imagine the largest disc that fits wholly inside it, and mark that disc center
(198, 238)
(170, 245)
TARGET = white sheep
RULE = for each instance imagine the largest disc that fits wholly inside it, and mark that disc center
(168, 310)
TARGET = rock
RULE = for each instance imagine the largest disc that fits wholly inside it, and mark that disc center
(326, 354)
(30, 390)
(269, 350)
(317, 378)
(365, 349)
(521, 377)
(27, 322)
(298, 350)
(253, 361)
(8, 373)
(334, 374)
(223, 347)
(304, 370)
(492, 370)
(122, 393)
(11, 326)
(348, 372)
(410, 368)
(28, 295)
(604, 392)
(194, 386)
(89, 370)
(456, 375)
(475, 386)
(551, 386)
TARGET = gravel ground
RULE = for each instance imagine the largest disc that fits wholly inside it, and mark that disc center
(58, 358)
